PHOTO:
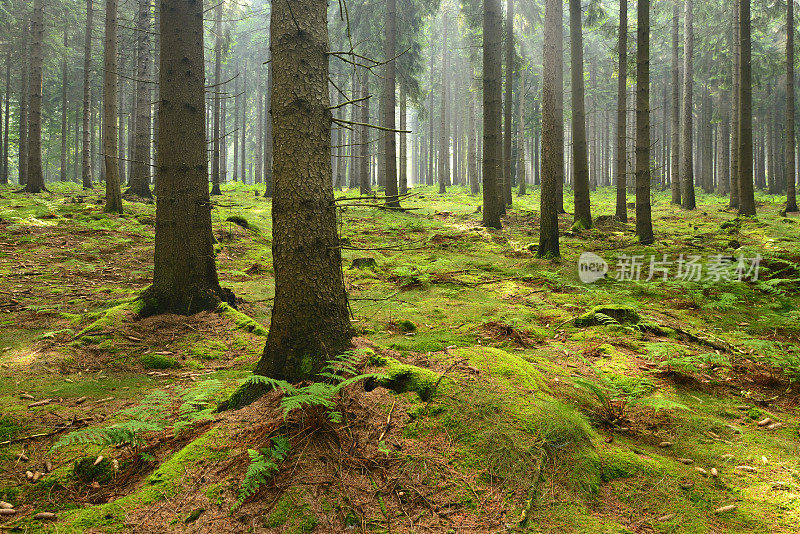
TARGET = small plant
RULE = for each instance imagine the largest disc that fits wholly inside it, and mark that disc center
(263, 464)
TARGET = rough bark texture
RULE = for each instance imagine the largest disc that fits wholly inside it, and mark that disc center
(622, 109)
(552, 129)
(35, 177)
(268, 144)
(309, 284)
(644, 226)
(508, 110)
(687, 160)
(390, 104)
(791, 171)
(110, 148)
(185, 274)
(747, 204)
(86, 148)
(580, 157)
(724, 146)
(492, 91)
(24, 96)
(140, 166)
(675, 177)
(7, 116)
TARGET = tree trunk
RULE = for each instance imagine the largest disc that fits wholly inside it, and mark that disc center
(644, 226)
(735, 104)
(444, 143)
(236, 129)
(580, 158)
(522, 178)
(747, 205)
(140, 168)
(492, 91)
(64, 133)
(390, 105)
(675, 109)
(403, 162)
(307, 257)
(508, 103)
(24, 96)
(268, 144)
(244, 124)
(791, 171)
(687, 161)
(110, 148)
(552, 129)
(215, 161)
(35, 182)
(185, 274)
(365, 187)
(724, 146)
(7, 115)
(472, 146)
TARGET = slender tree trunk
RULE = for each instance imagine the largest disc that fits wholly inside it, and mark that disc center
(444, 144)
(403, 162)
(64, 132)
(216, 142)
(580, 158)
(472, 147)
(236, 129)
(644, 226)
(390, 105)
(110, 148)
(185, 274)
(552, 129)
(735, 105)
(747, 205)
(522, 178)
(140, 168)
(244, 124)
(35, 182)
(307, 257)
(24, 97)
(687, 161)
(7, 116)
(791, 171)
(492, 91)
(675, 109)
(508, 111)
(268, 179)
(365, 186)
(724, 146)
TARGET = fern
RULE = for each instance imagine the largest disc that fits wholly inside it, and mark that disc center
(262, 466)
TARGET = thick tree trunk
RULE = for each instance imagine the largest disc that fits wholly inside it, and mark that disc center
(552, 129)
(675, 176)
(791, 171)
(747, 205)
(687, 160)
(644, 226)
(35, 182)
(492, 91)
(307, 257)
(508, 111)
(268, 132)
(110, 148)
(580, 158)
(185, 274)
(140, 168)
(390, 105)
(64, 132)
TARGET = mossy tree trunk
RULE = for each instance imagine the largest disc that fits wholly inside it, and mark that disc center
(185, 274)
(310, 318)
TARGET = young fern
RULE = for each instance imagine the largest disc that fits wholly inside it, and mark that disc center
(262, 466)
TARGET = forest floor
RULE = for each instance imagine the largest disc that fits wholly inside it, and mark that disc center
(511, 396)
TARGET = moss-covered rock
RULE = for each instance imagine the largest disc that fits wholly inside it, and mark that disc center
(620, 313)
(158, 361)
(402, 378)
(86, 470)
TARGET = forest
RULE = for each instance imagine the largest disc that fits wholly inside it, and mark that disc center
(399, 266)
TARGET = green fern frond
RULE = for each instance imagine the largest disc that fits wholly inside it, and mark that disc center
(262, 467)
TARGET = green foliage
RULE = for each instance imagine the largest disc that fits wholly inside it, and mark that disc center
(158, 361)
(263, 464)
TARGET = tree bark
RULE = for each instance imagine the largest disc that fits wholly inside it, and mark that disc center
(24, 97)
(306, 249)
(140, 167)
(64, 83)
(508, 110)
(35, 177)
(110, 148)
(791, 171)
(552, 129)
(185, 275)
(675, 109)
(492, 138)
(7, 115)
(403, 161)
(86, 156)
(522, 179)
(644, 226)
(268, 142)
(444, 142)
(687, 160)
(365, 186)
(580, 158)
(216, 142)
(390, 105)
(747, 205)
(735, 104)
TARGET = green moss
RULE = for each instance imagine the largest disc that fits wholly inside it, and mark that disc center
(208, 350)
(113, 316)
(407, 326)
(86, 471)
(297, 518)
(241, 320)
(619, 463)
(402, 377)
(509, 367)
(9, 428)
(158, 361)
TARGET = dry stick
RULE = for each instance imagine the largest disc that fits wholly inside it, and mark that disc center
(388, 423)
